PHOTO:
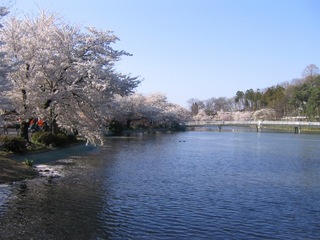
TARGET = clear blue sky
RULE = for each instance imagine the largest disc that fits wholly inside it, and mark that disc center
(201, 48)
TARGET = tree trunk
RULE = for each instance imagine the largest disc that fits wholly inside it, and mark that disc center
(24, 130)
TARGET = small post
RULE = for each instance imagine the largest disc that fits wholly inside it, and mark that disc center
(297, 130)
(259, 127)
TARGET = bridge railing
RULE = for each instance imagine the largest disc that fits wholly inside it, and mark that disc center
(250, 123)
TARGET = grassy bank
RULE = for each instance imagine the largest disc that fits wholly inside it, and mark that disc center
(12, 171)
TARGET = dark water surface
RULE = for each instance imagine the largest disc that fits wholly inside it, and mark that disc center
(190, 185)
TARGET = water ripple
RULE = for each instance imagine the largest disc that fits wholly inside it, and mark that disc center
(5, 191)
(212, 186)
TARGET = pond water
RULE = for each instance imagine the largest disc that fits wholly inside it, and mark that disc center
(187, 185)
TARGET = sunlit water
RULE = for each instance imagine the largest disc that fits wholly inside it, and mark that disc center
(189, 185)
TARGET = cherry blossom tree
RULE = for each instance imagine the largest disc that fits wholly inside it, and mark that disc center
(242, 116)
(164, 113)
(264, 114)
(129, 108)
(224, 116)
(152, 108)
(63, 73)
(4, 103)
(202, 116)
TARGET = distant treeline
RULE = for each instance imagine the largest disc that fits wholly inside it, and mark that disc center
(300, 97)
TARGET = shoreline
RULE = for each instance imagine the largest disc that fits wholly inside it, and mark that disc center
(16, 177)
(13, 168)
(13, 171)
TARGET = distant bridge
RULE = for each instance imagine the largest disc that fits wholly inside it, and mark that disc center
(258, 124)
